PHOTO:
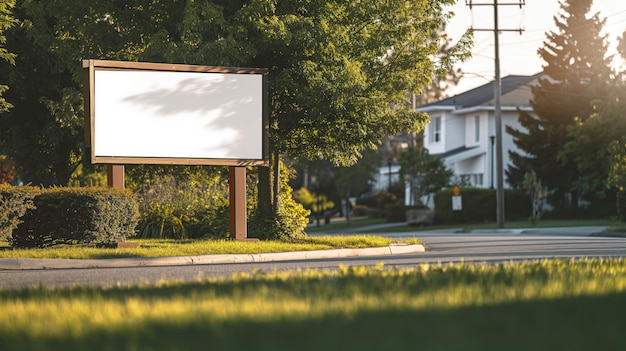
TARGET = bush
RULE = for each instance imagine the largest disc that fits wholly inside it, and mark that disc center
(289, 221)
(190, 208)
(359, 211)
(605, 206)
(14, 202)
(77, 216)
(374, 213)
(621, 205)
(479, 205)
(397, 212)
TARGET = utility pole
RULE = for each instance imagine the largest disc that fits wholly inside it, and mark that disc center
(497, 94)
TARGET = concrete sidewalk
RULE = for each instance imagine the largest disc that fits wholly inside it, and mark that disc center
(36, 263)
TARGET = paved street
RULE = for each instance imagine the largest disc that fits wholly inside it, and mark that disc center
(442, 246)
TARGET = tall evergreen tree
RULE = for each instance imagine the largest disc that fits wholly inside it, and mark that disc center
(577, 72)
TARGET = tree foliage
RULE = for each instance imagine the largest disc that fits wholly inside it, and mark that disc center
(338, 67)
(427, 174)
(442, 79)
(577, 73)
(356, 180)
(537, 193)
(588, 141)
(335, 67)
(6, 21)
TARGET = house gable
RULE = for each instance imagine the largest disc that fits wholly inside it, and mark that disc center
(467, 123)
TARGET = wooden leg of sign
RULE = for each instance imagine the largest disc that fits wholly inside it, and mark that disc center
(238, 220)
(115, 176)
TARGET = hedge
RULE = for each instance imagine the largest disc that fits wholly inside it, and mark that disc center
(397, 212)
(77, 216)
(479, 205)
(14, 202)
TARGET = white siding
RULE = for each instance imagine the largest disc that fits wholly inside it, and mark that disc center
(471, 131)
(454, 132)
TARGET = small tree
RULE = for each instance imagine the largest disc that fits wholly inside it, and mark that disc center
(537, 192)
(617, 174)
(312, 201)
(427, 174)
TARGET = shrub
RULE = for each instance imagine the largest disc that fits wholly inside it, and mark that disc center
(359, 210)
(77, 216)
(397, 212)
(287, 224)
(621, 205)
(479, 205)
(289, 221)
(374, 213)
(14, 202)
(190, 208)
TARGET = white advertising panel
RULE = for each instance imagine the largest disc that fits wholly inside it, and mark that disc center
(158, 113)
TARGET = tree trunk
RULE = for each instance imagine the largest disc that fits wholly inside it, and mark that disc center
(276, 181)
(264, 187)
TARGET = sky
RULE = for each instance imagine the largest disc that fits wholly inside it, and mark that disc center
(518, 53)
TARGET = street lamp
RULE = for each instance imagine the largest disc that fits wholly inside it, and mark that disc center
(389, 174)
(493, 140)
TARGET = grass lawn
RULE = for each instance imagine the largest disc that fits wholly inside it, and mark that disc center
(340, 223)
(164, 247)
(547, 305)
(401, 227)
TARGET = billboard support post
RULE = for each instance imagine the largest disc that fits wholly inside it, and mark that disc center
(115, 176)
(237, 207)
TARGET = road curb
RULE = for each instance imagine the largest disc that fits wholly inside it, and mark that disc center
(37, 263)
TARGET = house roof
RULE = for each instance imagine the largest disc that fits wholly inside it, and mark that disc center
(514, 90)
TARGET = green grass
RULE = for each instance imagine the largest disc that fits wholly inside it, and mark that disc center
(163, 247)
(548, 305)
(545, 223)
(340, 223)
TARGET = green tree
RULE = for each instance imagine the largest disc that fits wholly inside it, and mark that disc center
(537, 193)
(357, 179)
(7, 172)
(426, 174)
(442, 79)
(44, 132)
(6, 21)
(577, 72)
(617, 174)
(588, 141)
(336, 68)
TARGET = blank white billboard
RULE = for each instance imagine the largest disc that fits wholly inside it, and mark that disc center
(178, 114)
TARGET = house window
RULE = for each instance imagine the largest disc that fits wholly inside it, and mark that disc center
(474, 179)
(435, 130)
(477, 128)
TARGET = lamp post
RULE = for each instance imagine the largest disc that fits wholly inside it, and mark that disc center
(389, 174)
(317, 201)
(493, 140)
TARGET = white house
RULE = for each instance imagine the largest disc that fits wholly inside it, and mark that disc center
(462, 128)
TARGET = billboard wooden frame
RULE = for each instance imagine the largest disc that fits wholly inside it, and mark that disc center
(89, 70)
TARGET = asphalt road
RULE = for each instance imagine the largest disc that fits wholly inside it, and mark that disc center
(444, 247)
